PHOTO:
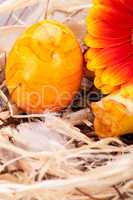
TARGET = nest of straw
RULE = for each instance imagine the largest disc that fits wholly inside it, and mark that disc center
(56, 156)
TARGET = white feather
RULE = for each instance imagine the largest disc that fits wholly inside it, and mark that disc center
(37, 137)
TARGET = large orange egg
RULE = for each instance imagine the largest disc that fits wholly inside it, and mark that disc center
(44, 68)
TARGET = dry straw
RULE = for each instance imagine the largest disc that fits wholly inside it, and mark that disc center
(42, 162)
(50, 159)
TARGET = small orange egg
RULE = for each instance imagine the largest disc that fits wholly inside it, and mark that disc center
(44, 68)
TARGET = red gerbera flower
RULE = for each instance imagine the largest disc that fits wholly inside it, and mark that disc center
(110, 56)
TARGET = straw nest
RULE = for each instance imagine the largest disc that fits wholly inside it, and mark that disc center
(49, 156)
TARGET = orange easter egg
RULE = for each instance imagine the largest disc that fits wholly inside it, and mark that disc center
(44, 67)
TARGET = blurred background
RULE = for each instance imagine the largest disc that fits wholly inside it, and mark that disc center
(15, 16)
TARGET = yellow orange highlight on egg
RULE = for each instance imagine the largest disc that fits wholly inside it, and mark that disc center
(44, 67)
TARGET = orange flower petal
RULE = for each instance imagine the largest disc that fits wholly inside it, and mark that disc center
(110, 25)
(109, 57)
(94, 42)
(110, 78)
(103, 30)
(114, 3)
(118, 16)
(92, 53)
(128, 4)
(121, 72)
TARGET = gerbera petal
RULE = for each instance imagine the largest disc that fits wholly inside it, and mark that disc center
(124, 7)
(95, 42)
(97, 80)
(118, 17)
(118, 74)
(110, 25)
(92, 53)
(109, 56)
(114, 76)
(105, 87)
(113, 3)
(103, 30)
(128, 4)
